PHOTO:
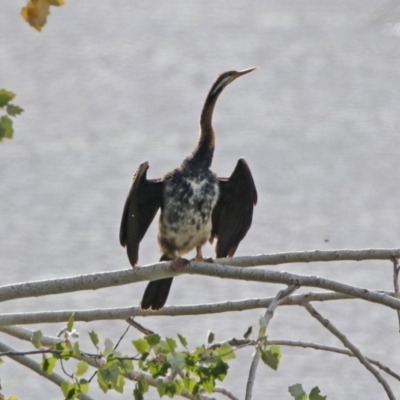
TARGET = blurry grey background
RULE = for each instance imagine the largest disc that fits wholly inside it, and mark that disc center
(107, 85)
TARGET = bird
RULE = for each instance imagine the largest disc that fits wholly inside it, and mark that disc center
(196, 205)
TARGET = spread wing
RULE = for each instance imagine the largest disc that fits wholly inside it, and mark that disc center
(143, 201)
(233, 214)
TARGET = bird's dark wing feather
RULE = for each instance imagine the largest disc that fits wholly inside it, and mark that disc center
(143, 201)
(233, 214)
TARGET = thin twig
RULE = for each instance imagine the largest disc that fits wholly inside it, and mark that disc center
(226, 392)
(26, 334)
(115, 347)
(396, 270)
(318, 346)
(29, 352)
(122, 336)
(279, 298)
(357, 353)
(139, 327)
(34, 366)
(241, 343)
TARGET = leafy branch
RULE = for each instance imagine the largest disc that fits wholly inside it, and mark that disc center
(9, 110)
(169, 364)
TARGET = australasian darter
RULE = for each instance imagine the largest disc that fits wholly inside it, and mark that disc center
(196, 205)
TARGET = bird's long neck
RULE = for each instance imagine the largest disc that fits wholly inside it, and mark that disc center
(204, 151)
(207, 135)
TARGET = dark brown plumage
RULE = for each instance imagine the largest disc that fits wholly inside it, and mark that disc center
(196, 206)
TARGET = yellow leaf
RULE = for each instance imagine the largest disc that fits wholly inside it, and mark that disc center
(36, 12)
(56, 2)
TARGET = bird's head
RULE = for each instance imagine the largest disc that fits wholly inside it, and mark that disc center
(226, 78)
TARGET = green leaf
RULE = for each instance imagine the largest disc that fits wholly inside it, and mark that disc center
(83, 386)
(104, 386)
(143, 386)
(315, 394)
(271, 356)
(6, 127)
(5, 97)
(210, 337)
(200, 352)
(81, 368)
(263, 327)
(13, 110)
(209, 385)
(183, 340)
(65, 388)
(157, 368)
(171, 344)
(297, 392)
(225, 352)
(119, 385)
(69, 390)
(36, 339)
(219, 370)
(171, 389)
(141, 345)
(76, 349)
(166, 388)
(65, 350)
(178, 386)
(176, 360)
(127, 365)
(137, 394)
(108, 347)
(248, 332)
(161, 387)
(48, 364)
(153, 339)
(70, 324)
(110, 374)
(110, 378)
(94, 338)
(189, 384)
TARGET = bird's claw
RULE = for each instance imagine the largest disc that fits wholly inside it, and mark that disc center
(203, 259)
(179, 263)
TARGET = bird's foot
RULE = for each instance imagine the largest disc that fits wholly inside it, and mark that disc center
(204, 259)
(179, 263)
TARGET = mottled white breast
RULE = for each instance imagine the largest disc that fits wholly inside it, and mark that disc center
(185, 220)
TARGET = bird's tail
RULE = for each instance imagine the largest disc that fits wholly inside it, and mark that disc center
(156, 292)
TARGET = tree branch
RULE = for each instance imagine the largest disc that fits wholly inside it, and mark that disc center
(227, 393)
(357, 353)
(241, 343)
(279, 298)
(26, 334)
(163, 270)
(127, 312)
(34, 366)
(396, 270)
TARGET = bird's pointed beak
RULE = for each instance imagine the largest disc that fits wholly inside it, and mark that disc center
(244, 72)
